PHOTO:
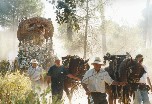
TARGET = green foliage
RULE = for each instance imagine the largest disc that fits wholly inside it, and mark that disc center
(11, 11)
(16, 89)
(66, 12)
(72, 47)
(56, 101)
(4, 66)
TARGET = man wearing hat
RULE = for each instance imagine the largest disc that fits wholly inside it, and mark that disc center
(141, 95)
(56, 75)
(94, 82)
(35, 73)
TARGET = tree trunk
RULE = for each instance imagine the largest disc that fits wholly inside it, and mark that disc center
(69, 30)
(147, 39)
(104, 42)
(104, 46)
(86, 32)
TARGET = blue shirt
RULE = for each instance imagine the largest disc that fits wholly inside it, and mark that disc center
(58, 74)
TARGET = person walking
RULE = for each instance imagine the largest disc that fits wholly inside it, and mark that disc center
(141, 95)
(94, 82)
(56, 75)
(35, 73)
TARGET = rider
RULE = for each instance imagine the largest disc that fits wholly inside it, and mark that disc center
(56, 76)
(142, 92)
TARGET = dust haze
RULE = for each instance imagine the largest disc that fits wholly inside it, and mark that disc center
(8, 45)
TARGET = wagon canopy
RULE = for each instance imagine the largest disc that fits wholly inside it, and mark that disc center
(37, 28)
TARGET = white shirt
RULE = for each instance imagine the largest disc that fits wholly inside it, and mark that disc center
(143, 79)
(96, 81)
(35, 73)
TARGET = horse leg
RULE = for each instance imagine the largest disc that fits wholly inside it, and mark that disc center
(110, 97)
(68, 94)
(70, 98)
(114, 101)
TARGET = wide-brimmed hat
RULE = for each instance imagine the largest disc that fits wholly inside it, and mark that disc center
(34, 61)
(56, 58)
(97, 60)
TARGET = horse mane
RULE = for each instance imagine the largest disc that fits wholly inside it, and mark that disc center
(74, 63)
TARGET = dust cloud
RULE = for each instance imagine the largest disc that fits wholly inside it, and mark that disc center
(8, 45)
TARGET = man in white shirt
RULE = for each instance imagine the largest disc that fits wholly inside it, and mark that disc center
(141, 95)
(35, 73)
(94, 82)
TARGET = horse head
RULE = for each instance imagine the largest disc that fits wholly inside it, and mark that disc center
(114, 63)
(130, 70)
(75, 65)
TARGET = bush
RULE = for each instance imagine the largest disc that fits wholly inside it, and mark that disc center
(15, 88)
(4, 66)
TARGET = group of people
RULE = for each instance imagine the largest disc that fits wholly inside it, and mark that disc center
(93, 81)
(55, 75)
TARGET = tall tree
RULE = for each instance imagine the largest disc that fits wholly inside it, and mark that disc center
(11, 11)
(146, 25)
(103, 32)
(147, 36)
(84, 15)
(86, 29)
(66, 13)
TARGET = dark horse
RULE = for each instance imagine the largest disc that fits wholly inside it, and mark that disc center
(76, 66)
(122, 68)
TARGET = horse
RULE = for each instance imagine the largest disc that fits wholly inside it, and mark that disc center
(122, 68)
(112, 69)
(77, 67)
(130, 71)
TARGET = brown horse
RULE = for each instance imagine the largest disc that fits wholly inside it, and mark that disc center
(131, 71)
(112, 69)
(76, 66)
(122, 69)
